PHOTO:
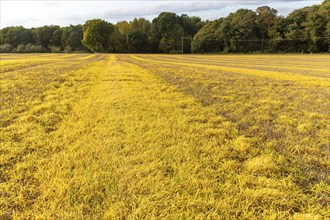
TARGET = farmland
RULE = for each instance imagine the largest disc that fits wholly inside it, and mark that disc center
(164, 136)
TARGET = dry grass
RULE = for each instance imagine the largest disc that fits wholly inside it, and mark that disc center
(164, 137)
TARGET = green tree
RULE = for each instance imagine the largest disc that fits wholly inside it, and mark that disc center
(206, 40)
(140, 24)
(123, 27)
(266, 17)
(243, 28)
(296, 33)
(43, 35)
(117, 42)
(97, 35)
(304, 30)
(167, 32)
(75, 36)
(190, 25)
(71, 38)
(294, 36)
(26, 36)
(16, 36)
(316, 28)
(276, 35)
(224, 34)
(56, 39)
(137, 41)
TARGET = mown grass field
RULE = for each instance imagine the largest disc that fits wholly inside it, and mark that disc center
(96, 136)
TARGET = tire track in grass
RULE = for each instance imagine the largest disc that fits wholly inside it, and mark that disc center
(21, 64)
(26, 135)
(305, 80)
(136, 148)
(129, 151)
(309, 70)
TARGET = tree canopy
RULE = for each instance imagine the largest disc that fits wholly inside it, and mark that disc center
(303, 30)
(263, 30)
(97, 35)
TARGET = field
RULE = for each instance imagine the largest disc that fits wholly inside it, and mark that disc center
(102, 136)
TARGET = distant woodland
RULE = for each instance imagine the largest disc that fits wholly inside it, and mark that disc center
(306, 30)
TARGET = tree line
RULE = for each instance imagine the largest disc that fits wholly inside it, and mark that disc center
(304, 30)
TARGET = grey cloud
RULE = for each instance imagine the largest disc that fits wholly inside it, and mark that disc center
(111, 11)
(177, 7)
(155, 7)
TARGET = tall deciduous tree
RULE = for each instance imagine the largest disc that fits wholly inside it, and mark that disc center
(167, 32)
(137, 41)
(16, 36)
(206, 40)
(266, 17)
(74, 38)
(117, 42)
(316, 27)
(276, 35)
(141, 24)
(43, 35)
(97, 35)
(56, 39)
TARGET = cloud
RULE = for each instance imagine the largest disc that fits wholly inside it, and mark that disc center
(155, 7)
(38, 13)
(152, 9)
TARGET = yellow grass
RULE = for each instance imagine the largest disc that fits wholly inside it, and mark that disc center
(87, 136)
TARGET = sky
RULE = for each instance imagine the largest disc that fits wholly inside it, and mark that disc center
(38, 13)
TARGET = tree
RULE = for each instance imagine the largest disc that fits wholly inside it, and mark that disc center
(26, 36)
(56, 39)
(266, 17)
(276, 35)
(137, 41)
(167, 32)
(75, 36)
(303, 30)
(205, 40)
(190, 25)
(97, 35)
(123, 27)
(316, 28)
(43, 35)
(16, 35)
(140, 24)
(243, 24)
(293, 35)
(117, 42)
(232, 32)
(224, 34)
(296, 33)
